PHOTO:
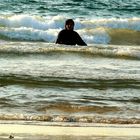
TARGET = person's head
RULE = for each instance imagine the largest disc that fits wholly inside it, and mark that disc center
(69, 24)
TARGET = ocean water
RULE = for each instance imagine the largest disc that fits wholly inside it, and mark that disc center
(42, 81)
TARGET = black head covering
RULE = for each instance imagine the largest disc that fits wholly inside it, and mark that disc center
(69, 21)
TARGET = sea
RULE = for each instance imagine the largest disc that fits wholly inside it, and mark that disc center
(41, 81)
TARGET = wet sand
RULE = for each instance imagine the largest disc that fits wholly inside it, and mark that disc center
(40, 132)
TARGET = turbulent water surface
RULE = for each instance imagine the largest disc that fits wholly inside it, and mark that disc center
(42, 81)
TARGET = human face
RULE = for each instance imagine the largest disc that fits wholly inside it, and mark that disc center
(69, 26)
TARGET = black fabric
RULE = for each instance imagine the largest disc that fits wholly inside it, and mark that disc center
(69, 37)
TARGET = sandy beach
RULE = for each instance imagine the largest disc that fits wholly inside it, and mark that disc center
(34, 131)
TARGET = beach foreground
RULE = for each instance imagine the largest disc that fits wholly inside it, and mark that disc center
(97, 131)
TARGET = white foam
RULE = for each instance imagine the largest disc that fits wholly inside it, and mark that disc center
(30, 34)
(98, 36)
(115, 23)
(18, 21)
(58, 22)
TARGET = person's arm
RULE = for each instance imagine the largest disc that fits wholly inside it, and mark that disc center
(59, 38)
(80, 40)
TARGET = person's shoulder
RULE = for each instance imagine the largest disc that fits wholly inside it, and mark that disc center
(62, 31)
(75, 33)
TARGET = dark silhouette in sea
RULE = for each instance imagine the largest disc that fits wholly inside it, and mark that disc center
(68, 36)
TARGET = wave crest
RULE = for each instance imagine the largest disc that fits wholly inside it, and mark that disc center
(93, 31)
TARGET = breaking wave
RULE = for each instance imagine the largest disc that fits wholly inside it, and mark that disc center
(94, 50)
(94, 31)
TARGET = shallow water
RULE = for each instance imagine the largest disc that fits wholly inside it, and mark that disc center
(62, 85)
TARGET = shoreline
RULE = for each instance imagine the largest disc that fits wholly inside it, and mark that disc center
(40, 131)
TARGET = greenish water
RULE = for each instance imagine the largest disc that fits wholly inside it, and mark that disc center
(75, 8)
